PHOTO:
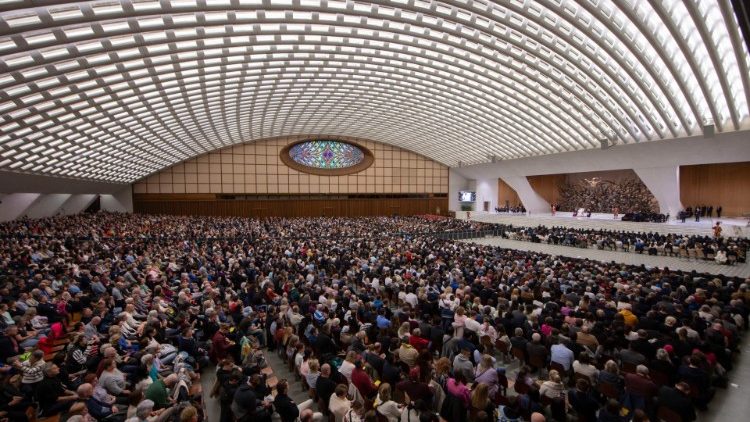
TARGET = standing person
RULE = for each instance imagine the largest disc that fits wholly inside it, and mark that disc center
(339, 405)
(32, 371)
(226, 394)
(697, 214)
(717, 230)
(718, 211)
(220, 344)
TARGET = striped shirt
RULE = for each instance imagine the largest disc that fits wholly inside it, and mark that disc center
(32, 374)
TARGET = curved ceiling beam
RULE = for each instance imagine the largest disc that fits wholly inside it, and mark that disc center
(117, 69)
(143, 43)
(117, 89)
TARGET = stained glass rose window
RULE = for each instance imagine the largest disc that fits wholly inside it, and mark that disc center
(326, 154)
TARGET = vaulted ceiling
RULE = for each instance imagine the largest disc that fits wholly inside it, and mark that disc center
(116, 90)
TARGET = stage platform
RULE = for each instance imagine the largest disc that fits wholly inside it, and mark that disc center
(732, 227)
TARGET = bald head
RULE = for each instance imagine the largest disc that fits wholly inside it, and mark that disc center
(85, 391)
(538, 417)
(325, 370)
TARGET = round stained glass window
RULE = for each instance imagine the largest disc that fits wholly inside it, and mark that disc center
(327, 157)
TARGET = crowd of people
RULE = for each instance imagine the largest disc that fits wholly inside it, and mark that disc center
(723, 250)
(116, 317)
(518, 209)
(602, 196)
(700, 211)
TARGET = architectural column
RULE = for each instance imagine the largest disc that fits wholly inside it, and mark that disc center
(486, 192)
(531, 200)
(664, 183)
(15, 204)
(47, 205)
(77, 203)
(121, 201)
(456, 182)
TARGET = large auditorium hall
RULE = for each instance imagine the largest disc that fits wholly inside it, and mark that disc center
(374, 211)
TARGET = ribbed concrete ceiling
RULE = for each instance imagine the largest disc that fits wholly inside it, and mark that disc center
(116, 90)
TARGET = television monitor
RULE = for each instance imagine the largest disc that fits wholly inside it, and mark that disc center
(467, 196)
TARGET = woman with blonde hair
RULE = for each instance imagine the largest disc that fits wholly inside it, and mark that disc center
(347, 366)
(610, 373)
(313, 373)
(459, 322)
(385, 406)
(480, 401)
(404, 330)
(486, 373)
(553, 387)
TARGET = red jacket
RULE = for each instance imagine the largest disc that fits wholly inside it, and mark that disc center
(220, 346)
(418, 343)
(364, 384)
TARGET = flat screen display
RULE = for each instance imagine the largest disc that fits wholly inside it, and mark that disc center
(466, 196)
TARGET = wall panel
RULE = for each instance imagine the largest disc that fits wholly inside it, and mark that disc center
(255, 168)
(355, 207)
(548, 186)
(725, 184)
(505, 193)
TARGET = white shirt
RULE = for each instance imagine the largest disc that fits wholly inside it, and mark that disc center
(411, 299)
(346, 369)
(472, 325)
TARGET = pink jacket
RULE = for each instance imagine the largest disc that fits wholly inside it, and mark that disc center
(459, 390)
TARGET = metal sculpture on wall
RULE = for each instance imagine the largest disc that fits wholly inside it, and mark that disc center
(597, 195)
(327, 157)
(326, 154)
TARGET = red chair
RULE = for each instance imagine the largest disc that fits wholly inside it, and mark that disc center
(659, 378)
(537, 362)
(666, 414)
(503, 348)
(628, 367)
(608, 390)
(520, 387)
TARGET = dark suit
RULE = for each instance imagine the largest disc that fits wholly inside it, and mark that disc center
(678, 402)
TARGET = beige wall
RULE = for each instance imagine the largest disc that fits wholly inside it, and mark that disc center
(506, 193)
(255, 168)
(726, 184)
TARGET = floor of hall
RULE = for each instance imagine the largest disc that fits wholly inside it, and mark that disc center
(732, 227)
(629, 258)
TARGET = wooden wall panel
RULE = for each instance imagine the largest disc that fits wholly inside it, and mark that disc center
(506, 193)
(291, 208)
(726, 184)
(256, 168)
(548, 186)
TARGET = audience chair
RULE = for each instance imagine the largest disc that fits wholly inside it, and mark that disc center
(608, 390)
(502, 348)
(666, 414)
(519, 354)
(659, 378)
(537, 362)
(628, 367)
